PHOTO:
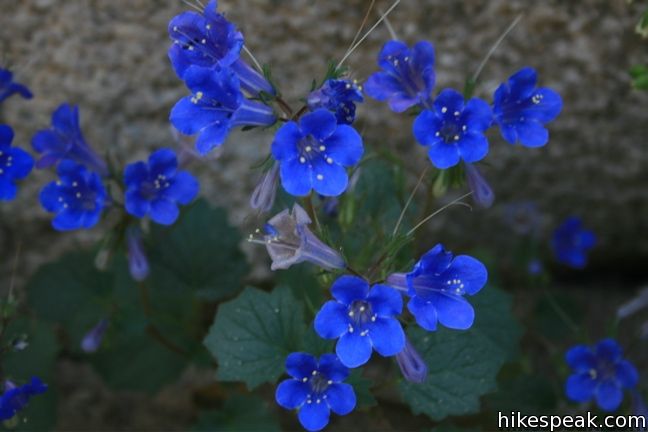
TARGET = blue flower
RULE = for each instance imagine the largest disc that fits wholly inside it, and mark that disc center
(314, 152)
(15, 164)
(92, 340)
(157, 187)
(77, 199)
(338, 96)
(600, 373)
(215, 107)
(453, 130)
(411, 364)
(571, 242)
(209, 40)
(16, 398)
(437, 286)
(363, 319)
(316, 389)
(8, 87)
(64, 140)
(521, 109)
(407, 78)
(289, 241)
(138, 264)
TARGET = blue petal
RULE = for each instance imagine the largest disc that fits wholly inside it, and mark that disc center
(387, 336)
(8, 189)
(328, 179)
(48, 141)
(314, 416)
(435, 261)
(627, 374)
(65, 119)
(385, 301)
(424, 313)
(49, 197)
(218, 85)
(284, 146)
(331, 367)
(509, 133)
(6, 136)
(454, 311)
(443, 155)
(392, 48)
(548, 108)
(473, 146)
(609, 350)
(320, 123)
(190, 118)
(400, 102)
(332, 320)
(522, 83)
(587, 239)
(382, 86)
(164, 211)
(344, 146)
(580, 387)
(296, 177)
(346, 289)
(532, 133)
(183, 189)
(21, 163)
(581, 358)
(135, 174)
(300, 365)
(163, 162)
(212, 136)
(341, 398)
(425, 127)
(608, 395)
(423, 62)
(451, 100)
(291, 393)
(136, 205)
(68, 220)
(353, 350)
(472, 273)
(477, 115)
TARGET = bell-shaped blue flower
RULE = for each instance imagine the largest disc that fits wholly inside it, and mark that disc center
(571, 243)
(453, 130)
(363, 319)
(155, 188)
(77, 198)
(138, 263)
(482, 192)
(64, 140)
(315, 389)
(15, 164)
(15, 398)
(314, 153)
(411, 364)
(209, 40)
(8, 87)
(289, 241)
(215, 106)
(338, 96)
(92, 340)
(437, 286)
(599, 373)
(521, 109)
(407, 76)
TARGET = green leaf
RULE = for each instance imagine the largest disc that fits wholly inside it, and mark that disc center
(463, 365)
(239, 413)
(201, 252)
(71, 292)
(639, 75)
(362, 388)
(252, 335)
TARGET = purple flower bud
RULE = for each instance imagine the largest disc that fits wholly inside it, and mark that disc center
(482, 192)
(289, 241)
(137, 261)
(92, 340)
(264, 193)
(411, 364)
(633, 306)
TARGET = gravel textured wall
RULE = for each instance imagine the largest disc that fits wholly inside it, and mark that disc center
(109, 56)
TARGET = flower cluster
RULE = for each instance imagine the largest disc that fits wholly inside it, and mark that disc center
(15, 398)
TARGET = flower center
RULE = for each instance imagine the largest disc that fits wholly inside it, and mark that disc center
(152, 189)
(318, 385)
(360, 314)
(310, 149)
(5, 162)
(450, 132)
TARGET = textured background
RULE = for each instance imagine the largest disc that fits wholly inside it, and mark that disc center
(109, 56)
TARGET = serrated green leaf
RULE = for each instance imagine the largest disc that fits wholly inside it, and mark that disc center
(201, 252)
(238, 414)
(252, 335)
(463, 365)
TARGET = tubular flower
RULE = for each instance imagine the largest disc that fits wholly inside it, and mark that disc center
(571, 242)
(8, 87)
(15, 164)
